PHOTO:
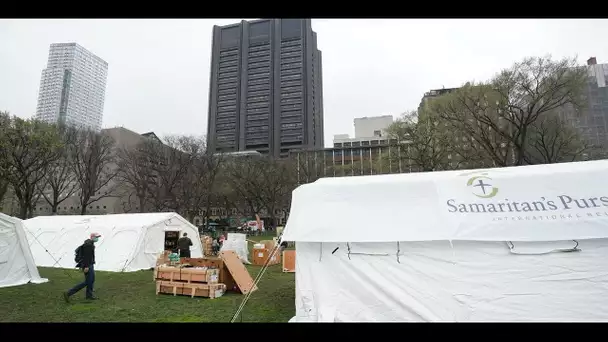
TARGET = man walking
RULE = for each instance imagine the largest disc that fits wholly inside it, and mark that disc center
(85, 259)
(184, 244)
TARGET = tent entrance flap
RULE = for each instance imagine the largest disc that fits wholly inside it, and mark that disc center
(171, 237)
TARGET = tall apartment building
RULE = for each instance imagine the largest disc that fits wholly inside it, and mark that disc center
(72, 87)
(266, 87)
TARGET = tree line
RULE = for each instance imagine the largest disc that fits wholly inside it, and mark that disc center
(52, 164)
(522, 116)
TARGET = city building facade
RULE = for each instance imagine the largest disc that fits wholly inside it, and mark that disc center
(369, 152)
(592, 122)
(367, 129)
(266, 87)
(72, 87)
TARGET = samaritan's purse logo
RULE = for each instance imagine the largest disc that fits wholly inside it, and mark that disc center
(482, 186)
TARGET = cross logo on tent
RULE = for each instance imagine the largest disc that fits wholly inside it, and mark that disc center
(482, 187)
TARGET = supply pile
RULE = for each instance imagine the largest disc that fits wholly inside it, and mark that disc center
(207, 277)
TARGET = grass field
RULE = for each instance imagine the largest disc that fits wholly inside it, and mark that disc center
(130, 297)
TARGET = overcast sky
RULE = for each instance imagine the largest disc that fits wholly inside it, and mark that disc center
(158, 77)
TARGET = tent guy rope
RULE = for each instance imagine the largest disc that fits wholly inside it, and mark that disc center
(256, 281)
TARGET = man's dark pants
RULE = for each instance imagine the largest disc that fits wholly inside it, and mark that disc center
(89, 281)
(184, 253)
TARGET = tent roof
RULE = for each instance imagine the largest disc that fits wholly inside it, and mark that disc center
(528, 203)
(115, 220)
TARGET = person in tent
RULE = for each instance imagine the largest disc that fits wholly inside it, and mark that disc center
(183, 244)
(85, 260)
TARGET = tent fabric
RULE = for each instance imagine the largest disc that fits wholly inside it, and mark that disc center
(466, 281)
(522, 244)
(17, 265)
(129, 242)
(529, 203)
(238, 243)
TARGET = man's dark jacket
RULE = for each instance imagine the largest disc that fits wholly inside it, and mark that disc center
(88, 254)
(184, 243)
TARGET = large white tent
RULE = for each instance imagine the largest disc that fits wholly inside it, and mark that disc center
(511, 244)
(129, 242)
(17, 265)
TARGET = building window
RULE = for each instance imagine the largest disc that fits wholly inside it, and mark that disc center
(377, 133)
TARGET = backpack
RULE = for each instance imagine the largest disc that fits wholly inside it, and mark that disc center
(78, 255)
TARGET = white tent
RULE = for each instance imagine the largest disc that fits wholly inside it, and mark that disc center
(129, 242)
(17, 265)
(484, 245)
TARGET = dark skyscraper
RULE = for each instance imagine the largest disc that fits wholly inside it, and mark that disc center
(266, 88)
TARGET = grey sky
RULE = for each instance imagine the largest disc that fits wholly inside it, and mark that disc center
(158, 76)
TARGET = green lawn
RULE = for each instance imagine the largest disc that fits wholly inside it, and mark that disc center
(130, 297)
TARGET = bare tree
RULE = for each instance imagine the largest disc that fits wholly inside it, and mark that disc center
(244, 175)
(28, 147)
(5, 123)
(168, 164)
(135, 170)
(278, 181)
(500, 114)
(59, 182)
(93, 159)
(197, 180)
(553, 140)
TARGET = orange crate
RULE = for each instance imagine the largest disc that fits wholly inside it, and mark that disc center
(289, 261)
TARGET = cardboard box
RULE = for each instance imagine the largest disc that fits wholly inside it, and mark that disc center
(260, 255)
(269, 244)
(289, 261)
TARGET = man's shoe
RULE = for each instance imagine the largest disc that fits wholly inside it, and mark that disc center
(92, 298)
(66, 297)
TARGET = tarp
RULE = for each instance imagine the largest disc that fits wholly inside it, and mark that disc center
(17, 265)
(510, 244)
(129, 242)
(529, 203)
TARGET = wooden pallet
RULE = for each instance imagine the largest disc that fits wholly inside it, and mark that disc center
(190, 289)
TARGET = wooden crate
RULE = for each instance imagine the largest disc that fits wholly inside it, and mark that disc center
(215, 262)
(190, 289)
(289, 261)
(232, 273)
(188, 275)
(260, 255)
(234, 268)
(163, 288)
